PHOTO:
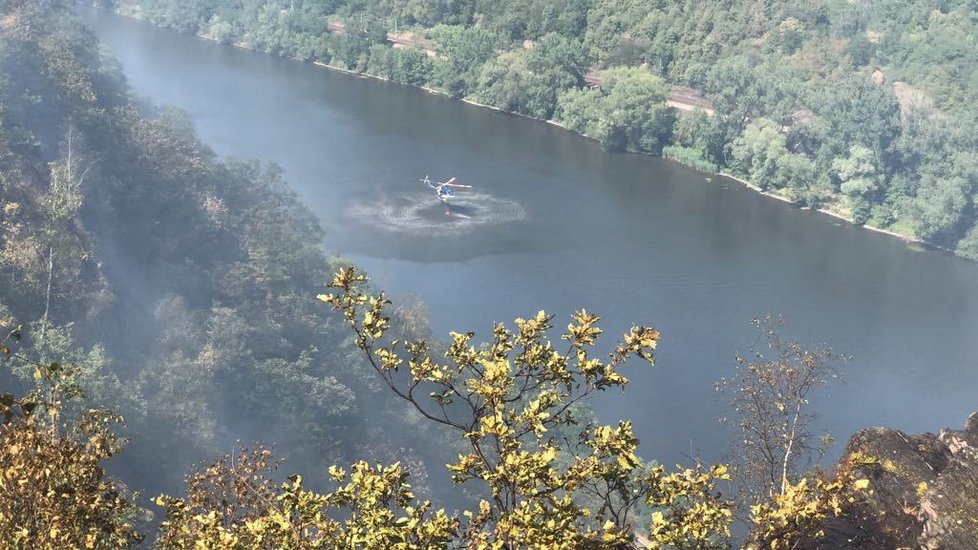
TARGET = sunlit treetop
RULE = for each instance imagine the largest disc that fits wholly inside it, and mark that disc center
(549, 481)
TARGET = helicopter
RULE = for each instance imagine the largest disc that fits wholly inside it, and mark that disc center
(444, 188)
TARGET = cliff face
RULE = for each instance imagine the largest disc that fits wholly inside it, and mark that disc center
(924, 492)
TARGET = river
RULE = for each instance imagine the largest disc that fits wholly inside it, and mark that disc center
(553, 222)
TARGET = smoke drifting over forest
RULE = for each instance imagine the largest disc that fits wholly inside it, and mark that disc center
(180, 284)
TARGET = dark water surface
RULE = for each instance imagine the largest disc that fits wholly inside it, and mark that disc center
(554, 223)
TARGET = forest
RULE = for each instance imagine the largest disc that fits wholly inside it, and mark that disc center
(172, 329)
(162, 308)
(865, 109)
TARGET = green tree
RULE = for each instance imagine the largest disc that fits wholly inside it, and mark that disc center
(353, 47)
(858, 112)
(762, 154)
(410, 66)
(860, 179)
(627, 113)
(635, 108)
(939, 206)
(858, 172)
(968, 246)
(737, 94)
(464, 50)
(557, 63)
(504, 82)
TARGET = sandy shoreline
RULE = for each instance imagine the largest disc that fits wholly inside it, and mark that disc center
(901, 236)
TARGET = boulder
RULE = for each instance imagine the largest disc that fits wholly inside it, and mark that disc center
(924, 492)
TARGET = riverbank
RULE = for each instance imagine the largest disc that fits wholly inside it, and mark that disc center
(428, 89)
(833, 213)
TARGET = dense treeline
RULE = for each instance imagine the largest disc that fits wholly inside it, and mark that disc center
(865, 109)
(176, 283)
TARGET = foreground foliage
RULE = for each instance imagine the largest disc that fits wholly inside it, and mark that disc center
(795, 516)
(771, 392)
(234, 504)
(549, 478)
(54, 492)
(549, 481)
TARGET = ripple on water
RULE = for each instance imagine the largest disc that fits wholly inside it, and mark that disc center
(417, 214)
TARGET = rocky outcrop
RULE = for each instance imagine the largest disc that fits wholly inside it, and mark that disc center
(924, 492)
